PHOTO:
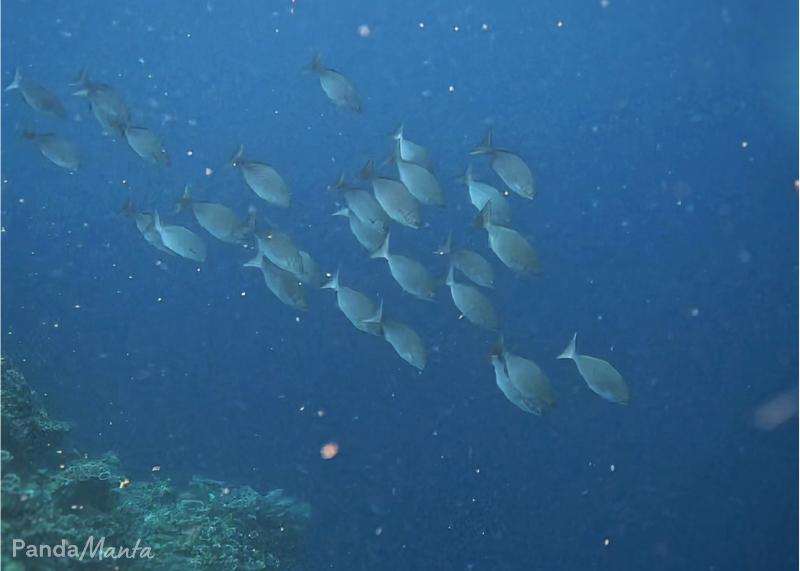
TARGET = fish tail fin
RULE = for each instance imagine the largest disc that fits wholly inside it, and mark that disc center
(315, 65)
(398, 133)
(81, 80)
(127, 208)
(333, 283)
(447, 247)
(344, 211)
(340, 184)
(236, 157)
(255, 261)
(377, 317)
(368, 172)
(251, 219)
(156, 221)
(484, 217)
(185, 200)
(450, 279)
(570, 352)
(466, 178)
(485, 147)
(16, 83)
(383, 250)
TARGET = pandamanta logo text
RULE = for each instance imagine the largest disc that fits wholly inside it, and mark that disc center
(91, 549)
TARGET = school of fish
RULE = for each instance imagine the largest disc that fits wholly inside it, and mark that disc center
(290, 271)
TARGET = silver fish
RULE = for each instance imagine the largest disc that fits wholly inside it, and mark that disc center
(419, 181)
(180, 240)
(599, 375)
(394, 197)
(510, 246)
(363, 205)
(410, 151)
(356, 306)
(145, 223)
(107, 106)
(282, 284)
(475, 306)
(409, 274)
(366, 234)
(145, 144)
(36, 96)
(336, 86)
(469, 263)
(55, 148)
(534, 387)
(217, 219)
(405, 341)
(480, 193)
(263, 179)
(279, 249)
(509, 167)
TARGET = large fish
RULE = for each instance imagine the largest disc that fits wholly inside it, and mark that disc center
(145, 224)
(366, 234)
(410, 151)
(363, 205)
(282, 284)
(107, 106)
(469, 263)
(147, 145)
(480, 193)
(419, 181)
(535, 390)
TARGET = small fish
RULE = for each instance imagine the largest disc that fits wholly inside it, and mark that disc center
(509, 167)
(280, 250)
(410, 151)
(282, 284)
(106, 104)
(405, 341)
(145, 144)
(363, 205)
(599, 375)
(263, 180)
(336, 86)
(509, 245)
(356, 306)
(394, 197)
(217, 219)
(180, 240)
(419, 181)
(475, 306)
(366, 234)
(533, 385)
(36, 96)
(505, 385)
(58, 150)
(469, 263)
(480, 193)
(409, 274)
(145, 223)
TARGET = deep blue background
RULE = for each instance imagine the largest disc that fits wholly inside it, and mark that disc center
(633, 117)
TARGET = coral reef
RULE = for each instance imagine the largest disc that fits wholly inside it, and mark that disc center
(49, 496)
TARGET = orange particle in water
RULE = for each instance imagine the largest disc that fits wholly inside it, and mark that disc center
(329, 450)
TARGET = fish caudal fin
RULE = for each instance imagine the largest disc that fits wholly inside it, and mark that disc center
(383, 251)
(378, 317)
(236, 157)
(185, 200)
(570, 351)
(17, 82)
(332, 283)
(485, 147)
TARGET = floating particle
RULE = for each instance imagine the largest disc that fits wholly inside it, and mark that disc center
(329, 450)
(209, 171)
(606, 542)
(745, 144)
(605, 3)
(421, 25)
(456, 28)
(124, 483)
(155, 468)
(451, 88)
(189, 153)
(484, 27)
(694, 312)
(378, 530)
(560, 24)
(364, 31)
(612, 468)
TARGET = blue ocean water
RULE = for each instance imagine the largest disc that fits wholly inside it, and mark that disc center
(663, 138)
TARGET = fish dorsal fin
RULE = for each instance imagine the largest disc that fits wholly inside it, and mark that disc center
(344, 211)
(571, 350)
(17, 81)
(368, 172)
(447, 247)
(484, 218)
(185, 200)
(398, 134)
(450, 279)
